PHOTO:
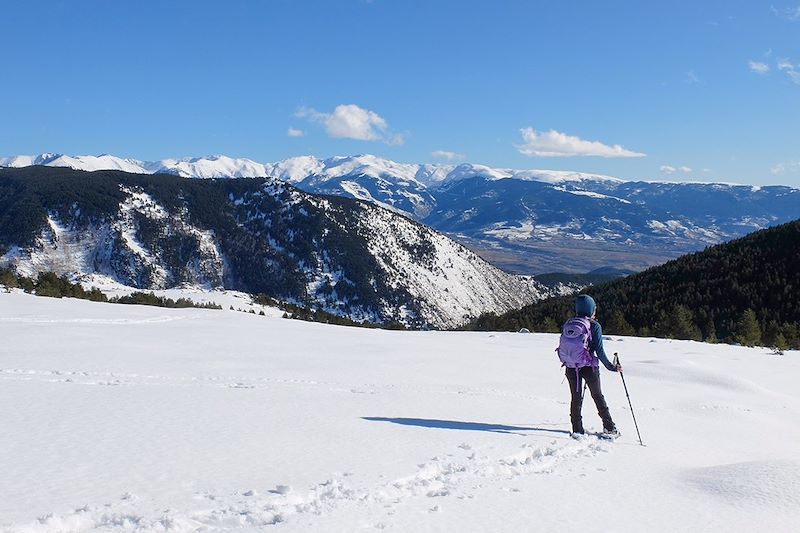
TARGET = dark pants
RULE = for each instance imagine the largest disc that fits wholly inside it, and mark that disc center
(592, 377)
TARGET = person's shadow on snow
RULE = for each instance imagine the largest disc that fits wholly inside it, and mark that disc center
(463, 426)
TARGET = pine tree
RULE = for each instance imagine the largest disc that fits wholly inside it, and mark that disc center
(8, 278)
(682, 321)
(748, 331)
(549, 325)
(780, 345)
(617, 325)
(792, 334)
(771, 332)
(710, 331)
(678, 324)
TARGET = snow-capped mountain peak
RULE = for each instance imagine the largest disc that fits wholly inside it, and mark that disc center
(83, 162)
(300, 168)
(217, 166)
(296, 169)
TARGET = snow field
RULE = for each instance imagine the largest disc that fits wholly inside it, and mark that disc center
(133, 418)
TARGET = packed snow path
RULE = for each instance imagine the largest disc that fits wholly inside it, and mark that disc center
(130, 418)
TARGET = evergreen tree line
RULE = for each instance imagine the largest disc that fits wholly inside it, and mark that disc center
(54, 286)
(51, 285)
(744, 291)
(149, 298)
(297, 312)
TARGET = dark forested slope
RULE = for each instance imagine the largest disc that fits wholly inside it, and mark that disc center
(744, 291)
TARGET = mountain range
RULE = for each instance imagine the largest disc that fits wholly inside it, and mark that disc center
(260, 235)
(524, 221)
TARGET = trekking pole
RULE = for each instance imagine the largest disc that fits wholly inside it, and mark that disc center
(616, 363)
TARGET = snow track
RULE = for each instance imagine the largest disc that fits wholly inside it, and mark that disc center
(457, 474)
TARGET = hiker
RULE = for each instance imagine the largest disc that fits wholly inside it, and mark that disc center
(580, 350)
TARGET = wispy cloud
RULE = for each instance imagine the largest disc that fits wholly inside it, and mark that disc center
(556, 144)
(758, 67)
(669, 169)
(790, 167)
(293, 132)
(787, 13)
(789, 68)
(693, 78)
(447, 156)
(349, 121)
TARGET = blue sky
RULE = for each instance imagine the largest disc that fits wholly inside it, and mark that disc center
(653, 90)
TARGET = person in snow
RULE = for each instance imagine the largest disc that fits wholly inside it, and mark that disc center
(584, 365)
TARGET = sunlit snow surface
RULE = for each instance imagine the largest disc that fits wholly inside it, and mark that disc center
(133, 418)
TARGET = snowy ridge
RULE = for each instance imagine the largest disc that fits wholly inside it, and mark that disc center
(298, 169)
(219, 166)
(83, 162)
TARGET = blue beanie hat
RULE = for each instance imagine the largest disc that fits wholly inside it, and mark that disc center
(584, 305)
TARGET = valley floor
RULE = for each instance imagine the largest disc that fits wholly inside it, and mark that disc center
(123, 418)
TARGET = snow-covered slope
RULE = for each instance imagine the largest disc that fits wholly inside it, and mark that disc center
(128, 418)
(450, 282)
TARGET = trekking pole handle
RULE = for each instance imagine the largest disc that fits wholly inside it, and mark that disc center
(616, 359)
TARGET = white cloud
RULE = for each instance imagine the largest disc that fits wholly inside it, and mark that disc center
(669, 169)
(786, 66)
(666, 169)
(556, 144)
(349, 121)
(447, 156)
(293, 132)
(785, 168)
(787, 13)
(759, 67)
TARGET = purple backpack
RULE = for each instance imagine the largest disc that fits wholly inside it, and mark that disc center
(573, 347)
